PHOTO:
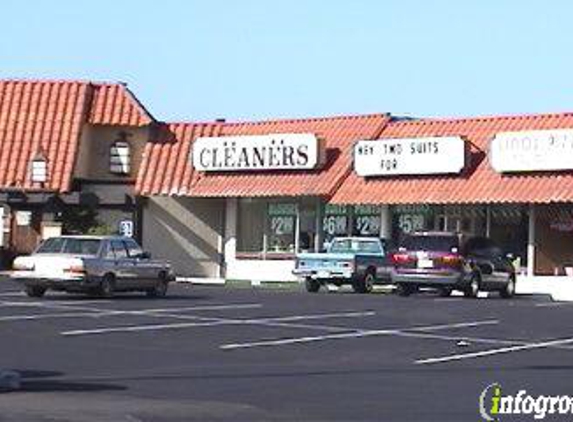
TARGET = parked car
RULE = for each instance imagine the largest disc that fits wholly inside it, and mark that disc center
(99, 265)
(360, 262)
(447, 261)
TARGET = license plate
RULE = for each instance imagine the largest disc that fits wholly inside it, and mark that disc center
(425, 263)
(323, 274)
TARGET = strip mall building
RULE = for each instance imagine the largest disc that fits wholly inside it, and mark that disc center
(239, 200)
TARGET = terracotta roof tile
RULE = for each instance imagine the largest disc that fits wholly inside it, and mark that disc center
(479, 184)
(167, 169)
(46, 117)
(114, 104)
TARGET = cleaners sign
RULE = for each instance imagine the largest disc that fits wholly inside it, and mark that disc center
(291, 151)
(387, 157)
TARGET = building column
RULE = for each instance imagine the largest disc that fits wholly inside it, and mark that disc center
(385, 222)
(531, 242)
(488, 221)
(230, 243)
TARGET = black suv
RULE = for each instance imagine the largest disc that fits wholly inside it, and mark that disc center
(446, 261)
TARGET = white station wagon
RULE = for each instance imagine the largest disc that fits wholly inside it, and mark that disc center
(100, 265)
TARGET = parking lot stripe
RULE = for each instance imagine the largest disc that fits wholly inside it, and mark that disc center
(357, 333)
(136, 328)
(211, 321)
(13, 318)
(552, 304)
(12, 293)
(491, 352)
(320, 316)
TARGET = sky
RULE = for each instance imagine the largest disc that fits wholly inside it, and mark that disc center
(257, 59)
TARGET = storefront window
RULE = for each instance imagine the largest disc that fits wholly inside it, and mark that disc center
(366, 220)
(335, 221)
(509, 229)
(282, 218)
(554, 239)
(251, 225)
(469, 220)
(412, 218)
(308, 232)
(268, 228)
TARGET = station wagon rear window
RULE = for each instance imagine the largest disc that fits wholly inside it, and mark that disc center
(70, 246)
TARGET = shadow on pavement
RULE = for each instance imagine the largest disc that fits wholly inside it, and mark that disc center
(35, 381)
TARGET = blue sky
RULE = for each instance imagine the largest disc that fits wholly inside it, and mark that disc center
(256, 59)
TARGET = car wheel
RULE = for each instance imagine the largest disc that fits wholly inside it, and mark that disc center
(312, 286)
(509, 290)
(160, 289)
(472, 289)
(445, 291)
(364, 284)
(107, 286)
(404, 290)
(35, 291)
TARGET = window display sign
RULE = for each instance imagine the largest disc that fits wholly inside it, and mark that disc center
(409, 156)
(409, 223)
(335, 220)
(366, 220)
(536, 150)
(290, 151)
(282, 220)
(412, 218)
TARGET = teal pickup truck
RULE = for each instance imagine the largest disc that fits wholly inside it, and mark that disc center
(358, 261)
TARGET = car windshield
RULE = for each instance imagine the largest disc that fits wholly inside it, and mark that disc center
(70, 246)
(430, 243)
(52, 245)
(353, 246)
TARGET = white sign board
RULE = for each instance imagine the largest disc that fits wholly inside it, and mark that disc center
(409, 156)
(289, 151)
(126, 228)
(536, 150)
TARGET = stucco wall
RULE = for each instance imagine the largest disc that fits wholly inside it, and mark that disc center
(94, 152)
(186, 231)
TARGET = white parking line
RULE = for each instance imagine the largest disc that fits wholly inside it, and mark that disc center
(12, 293)
(491, 352)
(211, 321)
(89, 312)
(13, 318)
(552, 304)
(354, 334)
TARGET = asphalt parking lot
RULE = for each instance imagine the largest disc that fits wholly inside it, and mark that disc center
(214, 353)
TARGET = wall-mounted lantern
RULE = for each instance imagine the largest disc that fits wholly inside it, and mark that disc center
(39, 168)
(120, 155)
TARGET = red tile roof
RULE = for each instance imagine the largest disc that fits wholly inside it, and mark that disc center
(46, 117)
(166, 167)
(478, 184)
(115, 104)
